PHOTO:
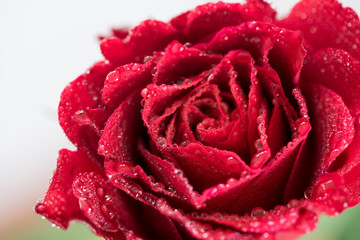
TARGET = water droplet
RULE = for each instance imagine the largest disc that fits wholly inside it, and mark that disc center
(161, 141)
(257, 212)
(147, 58)
(232, 162)
(82, 117)
(41, 208)
(142, 102)
(231, 181)
(302, 127)
(313, 29)
(258, 159)
(303, 16)
(187, 44)
(292, 203)
(322, 191)
(187, 81)
(153, 71)
(245, 174)
(258, 144)
(184, 144)
(112, 77)
(122, 167)
(179, 82)
(145, 93)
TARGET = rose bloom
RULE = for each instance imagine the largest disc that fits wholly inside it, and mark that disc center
(224, 123)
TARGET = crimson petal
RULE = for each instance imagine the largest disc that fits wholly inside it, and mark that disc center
(122, 130)
(209, 18)
(125, 80)
(144, 39)
(337, 70)
(60, 206)
(106, 207)
(326, 23)
(82, 93)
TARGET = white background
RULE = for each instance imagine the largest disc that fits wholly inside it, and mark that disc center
(43, 46)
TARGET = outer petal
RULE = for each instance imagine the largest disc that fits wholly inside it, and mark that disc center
(348, 165)
(116, 214)
(337, 70)
(82, 93)
(325, 23)
(144, 39)
(332, 131)
(207, 19)
(107, 208)
(60, 205)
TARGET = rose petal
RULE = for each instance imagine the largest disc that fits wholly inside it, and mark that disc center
(294, 217)
(279, 132)
(332, 131)
(95, 118)
(264, 189)
(266, 43)
(337, 70)
(60, 205)
(209, 18)
(347, 164)
(206, 166)
(165, 173)
(122, 130)
(82, 93)
(332, 123)
(326, 24)
(180, 62)
(107, 208)
(125, 80)
(144, 39)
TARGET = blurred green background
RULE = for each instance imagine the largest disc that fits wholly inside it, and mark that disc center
(345, 227)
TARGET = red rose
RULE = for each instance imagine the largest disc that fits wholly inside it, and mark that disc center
(212, 126)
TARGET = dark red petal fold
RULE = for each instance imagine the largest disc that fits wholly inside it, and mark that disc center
(332, 124)
(122, 130)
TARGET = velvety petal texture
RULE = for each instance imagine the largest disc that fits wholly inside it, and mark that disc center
(225, 123)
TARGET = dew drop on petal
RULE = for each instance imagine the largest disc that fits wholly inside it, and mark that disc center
(258, 144)
(124, 167)
(245, 174)
(161, 141)
(82, 117)
(257, 212)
